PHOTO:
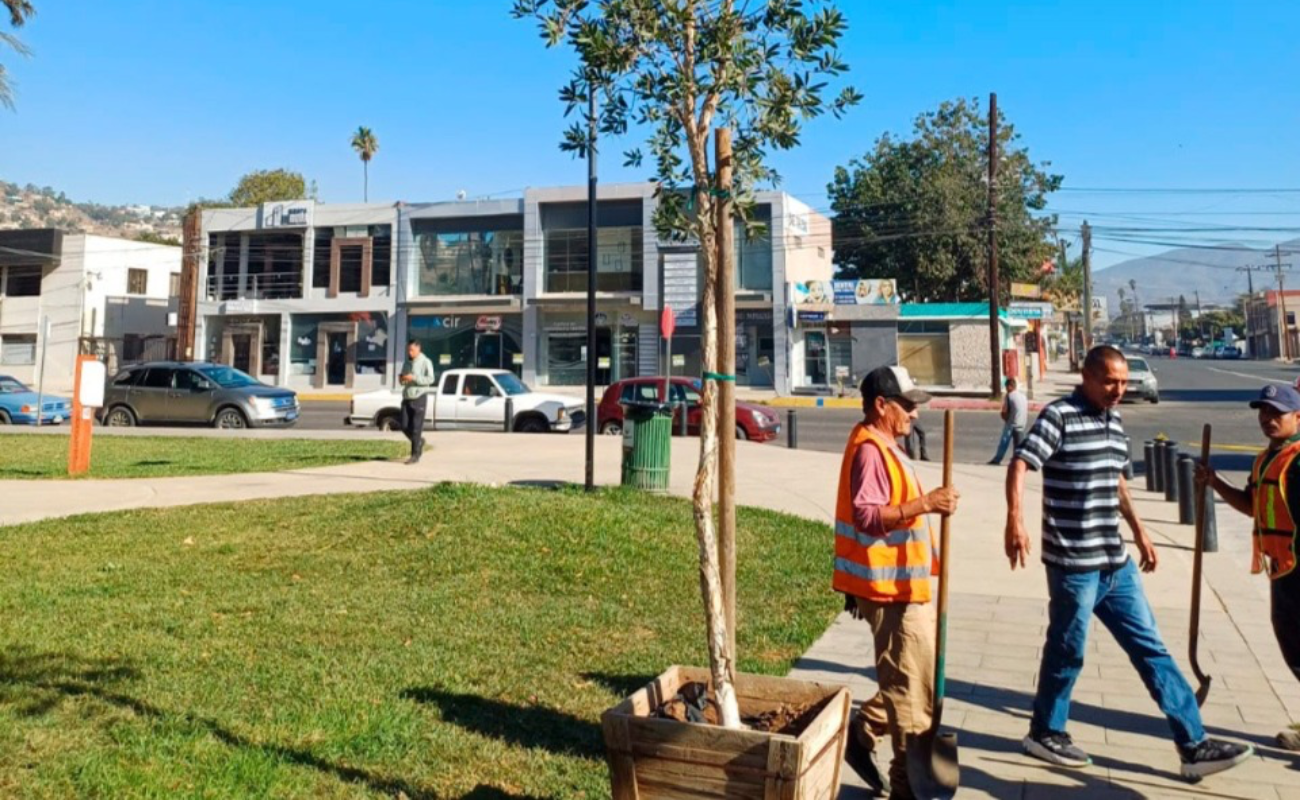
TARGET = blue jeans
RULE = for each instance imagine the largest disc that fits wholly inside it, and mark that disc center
(1010, 435)
(1116, 597)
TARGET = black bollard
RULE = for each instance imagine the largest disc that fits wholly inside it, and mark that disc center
(791, 430)
(1148, 465)
(509, 421)
(1186, 493)
(1171, 472)
(1159, 472)
(1211, 529)
(683, 424)
(1128, 459)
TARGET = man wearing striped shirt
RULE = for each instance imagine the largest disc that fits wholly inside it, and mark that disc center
(1078, 445)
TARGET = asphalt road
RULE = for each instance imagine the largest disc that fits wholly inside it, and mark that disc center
(1192, 393)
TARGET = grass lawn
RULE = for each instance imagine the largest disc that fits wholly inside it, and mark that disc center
(456, 642)
(45, 456)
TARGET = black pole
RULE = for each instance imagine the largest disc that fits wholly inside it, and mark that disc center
(1186, 493)
(1159, 471)
(1171, 472)
(1128, 462)
(1211, 527)
(792, 430)
(1148, 463)
(591, 287)
(509, 421)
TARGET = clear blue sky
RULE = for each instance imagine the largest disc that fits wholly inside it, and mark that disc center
(156, 101)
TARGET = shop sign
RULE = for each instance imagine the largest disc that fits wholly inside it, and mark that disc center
(841, 372)
(486, 323)
(516, 358)
(602, 319)
(1031, 291)
(1029, 310)
(812, 316)
(444, 359)
(679, 360)
(285, 215)
(682, 287)
(754, 315)
(602, 362)
(864, 292)
(443, 322)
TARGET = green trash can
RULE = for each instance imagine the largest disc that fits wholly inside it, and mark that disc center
(647, 445)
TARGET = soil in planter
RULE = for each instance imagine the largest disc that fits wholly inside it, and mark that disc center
(695, 703)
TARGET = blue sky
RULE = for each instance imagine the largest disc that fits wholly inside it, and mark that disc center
(154, 101)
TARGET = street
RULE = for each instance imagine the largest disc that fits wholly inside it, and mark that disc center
(1192, 393)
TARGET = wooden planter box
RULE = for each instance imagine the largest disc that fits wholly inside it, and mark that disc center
(651, 757)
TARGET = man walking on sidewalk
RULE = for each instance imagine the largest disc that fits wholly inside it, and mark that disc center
(1015, 419)
(416, 377)
(1275, 507)
(1078, 443)
(884, 557)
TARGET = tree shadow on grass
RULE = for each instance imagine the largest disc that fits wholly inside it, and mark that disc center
(522, 726)
(36, 683)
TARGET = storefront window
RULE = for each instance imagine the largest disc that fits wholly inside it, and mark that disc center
(461, 341)
(456, 262)
(369, 350)
(566, 349)
(815, 358)
(619, 259)
(754, 253)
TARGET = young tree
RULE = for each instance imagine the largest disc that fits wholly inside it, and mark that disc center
(19, 12)
(917, 209)
(366, 145)
(267, 186)
(678, 69)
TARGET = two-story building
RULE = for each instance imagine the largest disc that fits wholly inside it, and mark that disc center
(62, 294)
(300, 294)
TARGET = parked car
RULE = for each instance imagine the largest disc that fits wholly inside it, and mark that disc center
(18, 405)
(1198, 352)
(755, 423)
(195, 393)
(1142, 381)
(1230, 352)
(474, 399)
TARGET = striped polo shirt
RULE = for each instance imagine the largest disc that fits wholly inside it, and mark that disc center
(1081, 452)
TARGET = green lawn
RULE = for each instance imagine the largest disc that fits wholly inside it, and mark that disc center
(46, 456)
(453, 642)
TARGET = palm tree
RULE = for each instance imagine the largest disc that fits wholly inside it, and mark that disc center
(19, 12)
(366, 145)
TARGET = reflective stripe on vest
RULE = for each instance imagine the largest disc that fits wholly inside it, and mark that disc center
(1273, 543)
(896, 567)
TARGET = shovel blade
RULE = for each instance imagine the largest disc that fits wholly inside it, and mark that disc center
(932, 767)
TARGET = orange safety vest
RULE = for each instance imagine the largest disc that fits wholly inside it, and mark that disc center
(896, 567)
(1274, 537)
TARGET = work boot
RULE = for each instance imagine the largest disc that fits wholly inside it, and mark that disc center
(861, 756)
(1289, 739)
(1211, 756)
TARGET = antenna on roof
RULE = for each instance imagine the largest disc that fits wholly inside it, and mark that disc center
(462, 194)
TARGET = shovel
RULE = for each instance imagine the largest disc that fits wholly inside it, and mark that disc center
(932, 768)
(1204, 680)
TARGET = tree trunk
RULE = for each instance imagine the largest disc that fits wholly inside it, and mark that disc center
(365, 186)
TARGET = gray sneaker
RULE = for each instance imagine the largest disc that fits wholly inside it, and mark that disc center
(1211, 756)
(1055, 747)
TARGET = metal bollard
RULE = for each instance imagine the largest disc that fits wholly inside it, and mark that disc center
(1128, 461)
(1148, 463)
(509, 421)
(1211, 528)
(1158, 473)
(683, 424)
(1171, 472)
(1186, 491)
(791, 430)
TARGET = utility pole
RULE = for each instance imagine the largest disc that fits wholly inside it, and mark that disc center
(1246, 311)
(1087, 286)
(592, 262)
(1200, 325)
(995, 327)
(1069, 328)
(725, 302)
(1281, 299)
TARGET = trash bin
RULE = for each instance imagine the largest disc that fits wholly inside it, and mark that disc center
(647, 445)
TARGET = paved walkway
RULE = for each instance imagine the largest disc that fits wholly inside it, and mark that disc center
(997, 623)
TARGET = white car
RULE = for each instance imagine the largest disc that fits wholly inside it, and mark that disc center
(474, 399)
(1142, 381)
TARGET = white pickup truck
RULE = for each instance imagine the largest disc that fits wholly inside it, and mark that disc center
(473, 399)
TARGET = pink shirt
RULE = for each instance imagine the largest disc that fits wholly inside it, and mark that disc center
(870, 485)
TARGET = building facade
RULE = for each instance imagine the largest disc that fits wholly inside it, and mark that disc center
(65, 294)
(1265, 325)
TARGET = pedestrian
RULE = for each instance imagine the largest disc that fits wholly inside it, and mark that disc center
(884, 557)
(914, 442)
(1276, 511)
(1015, 419)
(416, 377)
(1078, 444)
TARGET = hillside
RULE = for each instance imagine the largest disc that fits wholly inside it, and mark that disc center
(42, 207)
(1186, 271)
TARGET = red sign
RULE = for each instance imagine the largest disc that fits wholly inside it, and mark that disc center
(488, 324)
(667, 323)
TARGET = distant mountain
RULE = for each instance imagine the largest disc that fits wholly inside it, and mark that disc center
(1186, 271)
(33, 206)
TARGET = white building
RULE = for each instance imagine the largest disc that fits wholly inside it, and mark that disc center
(93, 294)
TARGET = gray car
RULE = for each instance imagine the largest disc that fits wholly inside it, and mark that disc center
(195, 393)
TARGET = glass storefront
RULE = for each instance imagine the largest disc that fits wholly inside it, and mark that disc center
(368, 352)
(564, 351)
(755, 348)
(459, 341)
(483, 256)
(754, 253)
(619, 259)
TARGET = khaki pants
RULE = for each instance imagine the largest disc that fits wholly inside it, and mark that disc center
(904, 639)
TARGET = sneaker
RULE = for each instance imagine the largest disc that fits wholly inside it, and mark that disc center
(862, 758)
(413, 460)
(1289, 739)
(1055, 747)
(1211, 756)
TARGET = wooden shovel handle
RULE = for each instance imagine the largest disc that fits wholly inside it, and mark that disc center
(1194, 633)
(941, 632)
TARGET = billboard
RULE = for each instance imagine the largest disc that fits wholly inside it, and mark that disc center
(867, 291)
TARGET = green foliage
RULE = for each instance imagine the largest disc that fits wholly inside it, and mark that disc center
(917, 209)
(157, 238)
(451, 642)
(267, 186)
(19, 12)
(365, 143)
(677, 69)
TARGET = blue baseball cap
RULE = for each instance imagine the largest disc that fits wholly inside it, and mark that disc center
(1280, 396)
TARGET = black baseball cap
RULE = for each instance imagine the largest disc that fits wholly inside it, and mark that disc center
(890, 382)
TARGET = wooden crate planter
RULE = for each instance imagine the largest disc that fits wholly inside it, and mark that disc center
(653, 758)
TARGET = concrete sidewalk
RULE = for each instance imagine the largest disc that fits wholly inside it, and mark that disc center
(997, 623)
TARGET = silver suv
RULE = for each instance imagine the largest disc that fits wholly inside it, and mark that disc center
(198, 393)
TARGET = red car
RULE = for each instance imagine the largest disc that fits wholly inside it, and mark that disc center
(755, 423)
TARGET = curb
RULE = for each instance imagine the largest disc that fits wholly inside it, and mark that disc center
(310, 398)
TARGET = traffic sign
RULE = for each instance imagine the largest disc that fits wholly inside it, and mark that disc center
(667, 323)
